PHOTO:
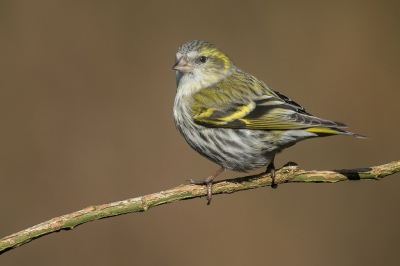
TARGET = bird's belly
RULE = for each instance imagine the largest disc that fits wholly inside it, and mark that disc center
(234, 149)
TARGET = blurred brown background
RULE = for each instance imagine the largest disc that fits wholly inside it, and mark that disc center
(86, 118)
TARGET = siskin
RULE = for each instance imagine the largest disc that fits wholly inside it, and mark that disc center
(234, 119)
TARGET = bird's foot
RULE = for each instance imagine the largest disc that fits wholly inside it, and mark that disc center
(208, 181)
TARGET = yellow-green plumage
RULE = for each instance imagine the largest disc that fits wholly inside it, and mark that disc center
(233, 118)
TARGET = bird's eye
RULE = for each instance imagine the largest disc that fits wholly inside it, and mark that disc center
(203, 59)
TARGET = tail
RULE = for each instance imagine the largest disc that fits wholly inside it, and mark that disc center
(329, 131)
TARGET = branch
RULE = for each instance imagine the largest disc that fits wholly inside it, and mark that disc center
(286, 174)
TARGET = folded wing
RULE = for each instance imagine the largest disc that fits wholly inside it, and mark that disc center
(268, 111)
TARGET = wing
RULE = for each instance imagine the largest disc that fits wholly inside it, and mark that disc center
(289, 101)
(251, 105)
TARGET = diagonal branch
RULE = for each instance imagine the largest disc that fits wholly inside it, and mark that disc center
(287, 174)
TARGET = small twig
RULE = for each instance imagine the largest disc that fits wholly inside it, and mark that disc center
(285, 175)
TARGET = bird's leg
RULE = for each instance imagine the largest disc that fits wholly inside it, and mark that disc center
(271, 171)
(208, 182)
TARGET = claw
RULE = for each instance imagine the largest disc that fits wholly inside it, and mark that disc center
(209, 193)
(271, 171)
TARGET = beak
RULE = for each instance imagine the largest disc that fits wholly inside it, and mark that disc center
(183, 65)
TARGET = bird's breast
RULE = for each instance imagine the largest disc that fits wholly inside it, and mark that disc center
(182, 113)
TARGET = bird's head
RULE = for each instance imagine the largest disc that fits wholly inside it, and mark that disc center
(202, 61)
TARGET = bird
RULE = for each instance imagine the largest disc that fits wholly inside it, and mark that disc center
(234, 119)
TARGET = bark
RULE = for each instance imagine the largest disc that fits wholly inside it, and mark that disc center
(286, 174)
